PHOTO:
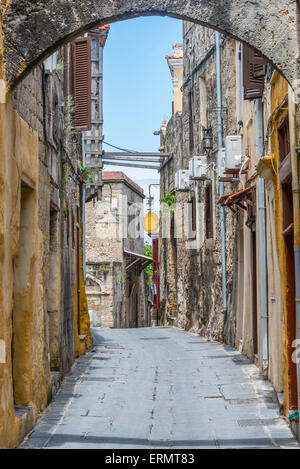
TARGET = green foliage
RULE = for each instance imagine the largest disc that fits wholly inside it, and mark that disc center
(148, 271)
(86, 174)
(68, 118)
(169, 199)
(121, 279)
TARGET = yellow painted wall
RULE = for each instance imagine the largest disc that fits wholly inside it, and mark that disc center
(19, 160)
(81, 345)
(279, 90)
(178, 73)
(273, 96)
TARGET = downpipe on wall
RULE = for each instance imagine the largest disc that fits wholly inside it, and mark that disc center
(221, 184)
(262, 243)
(233, 296)
(83, 208)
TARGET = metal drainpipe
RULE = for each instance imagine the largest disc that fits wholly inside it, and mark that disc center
(232, 335)
(221, 184)
(262, 243)
(83, 210)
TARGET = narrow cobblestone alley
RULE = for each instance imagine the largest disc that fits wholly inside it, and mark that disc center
(161, 388)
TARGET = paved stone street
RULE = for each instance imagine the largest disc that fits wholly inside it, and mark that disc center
(162, 388)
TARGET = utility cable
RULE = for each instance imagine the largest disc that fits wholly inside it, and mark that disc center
(118, 148)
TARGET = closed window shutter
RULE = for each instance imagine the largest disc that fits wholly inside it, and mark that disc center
(254, 71)
(82, 82)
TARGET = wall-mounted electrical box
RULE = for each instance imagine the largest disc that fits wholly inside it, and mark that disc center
(182, 179)
(233, 151)
(198, 167)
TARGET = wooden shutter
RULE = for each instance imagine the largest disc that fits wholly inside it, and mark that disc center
(81, 49)
(254, 70)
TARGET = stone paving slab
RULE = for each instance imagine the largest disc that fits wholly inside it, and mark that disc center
(161, 388)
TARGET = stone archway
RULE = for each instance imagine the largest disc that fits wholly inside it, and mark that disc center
(33, 30)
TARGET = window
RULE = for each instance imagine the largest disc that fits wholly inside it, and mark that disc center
(284, 140)
(285, 175)
(254, 71)
(82, 82)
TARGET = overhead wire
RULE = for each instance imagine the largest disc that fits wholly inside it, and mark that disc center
(118, 148)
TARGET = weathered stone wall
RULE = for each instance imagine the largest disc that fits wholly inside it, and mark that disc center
(103, 280)
(104, 231)
(33, 30)
(37, 264)
(110, 227)
(191, 276)
(191, 288)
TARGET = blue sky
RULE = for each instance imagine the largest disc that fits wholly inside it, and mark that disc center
(137, 86)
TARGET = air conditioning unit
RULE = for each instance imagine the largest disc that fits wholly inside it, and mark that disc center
(233, 151)
(198, 166)
(50, 64)
(182, 179)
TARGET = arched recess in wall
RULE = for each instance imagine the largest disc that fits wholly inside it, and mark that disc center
(34, 31)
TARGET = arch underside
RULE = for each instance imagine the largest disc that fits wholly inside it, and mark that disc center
(34, 30)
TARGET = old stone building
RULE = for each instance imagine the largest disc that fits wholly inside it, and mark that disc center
(190, 255)
(115, 254)
(44, 321)
(232, 96)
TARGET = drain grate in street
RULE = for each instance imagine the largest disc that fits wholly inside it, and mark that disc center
(217, 356)
(203, 342)
(114, 347)
(251, 400)
(154, 338)
(97, 378)
(209, 398)
(100, 358)
(239, 360)
(259, 422)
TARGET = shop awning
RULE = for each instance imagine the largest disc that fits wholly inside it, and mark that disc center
(242, 199)
(136, 260)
